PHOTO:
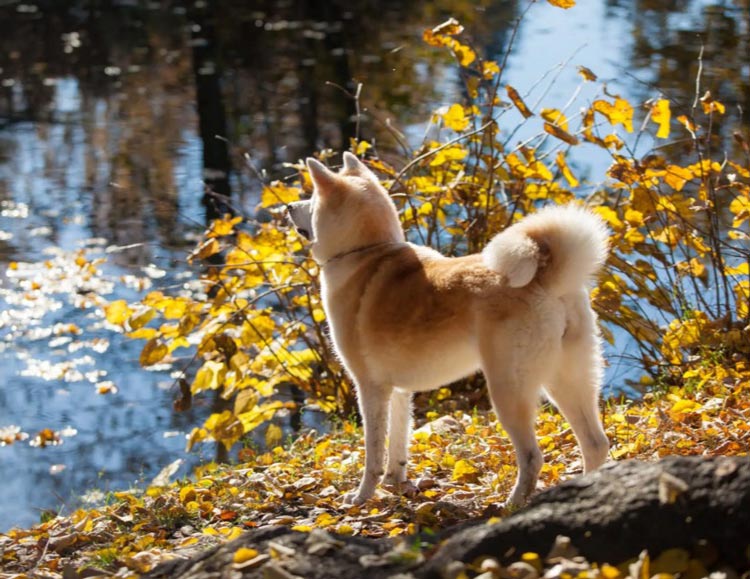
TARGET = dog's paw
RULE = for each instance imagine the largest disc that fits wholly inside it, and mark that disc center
(394, 478)
(353, 498)
(404, 488)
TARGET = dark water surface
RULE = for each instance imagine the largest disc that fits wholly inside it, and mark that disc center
(108, 112)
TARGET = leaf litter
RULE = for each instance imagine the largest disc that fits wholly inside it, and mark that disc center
(462, 467)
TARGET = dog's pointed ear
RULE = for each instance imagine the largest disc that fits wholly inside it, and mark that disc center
(353, 165)
(322, 177)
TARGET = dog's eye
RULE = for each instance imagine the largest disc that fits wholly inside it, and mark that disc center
(304, 233)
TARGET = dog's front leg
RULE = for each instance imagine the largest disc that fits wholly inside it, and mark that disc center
(374, 401)
(399, 431)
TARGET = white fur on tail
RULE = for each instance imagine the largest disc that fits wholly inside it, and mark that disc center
(560, 247)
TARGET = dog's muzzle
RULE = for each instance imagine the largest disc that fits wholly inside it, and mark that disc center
(300, 215)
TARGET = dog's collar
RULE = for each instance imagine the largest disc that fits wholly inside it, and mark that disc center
(358, 250)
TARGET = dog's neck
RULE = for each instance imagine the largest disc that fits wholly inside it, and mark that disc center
(362, 249)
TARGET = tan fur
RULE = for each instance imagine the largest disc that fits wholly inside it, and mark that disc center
(404, 318)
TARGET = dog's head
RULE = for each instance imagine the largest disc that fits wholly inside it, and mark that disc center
(348, 210)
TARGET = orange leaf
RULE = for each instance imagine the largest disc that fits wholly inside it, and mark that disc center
(206, 249)
(153, 352)
(518, 101)
(710, 105)
(560, 133)
(687, 123)
(586, 73)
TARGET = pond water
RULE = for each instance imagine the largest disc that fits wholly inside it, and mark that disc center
(108, 116)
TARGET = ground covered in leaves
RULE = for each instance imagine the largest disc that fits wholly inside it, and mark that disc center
(462, 467)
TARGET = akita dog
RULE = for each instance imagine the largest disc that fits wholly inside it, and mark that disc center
(404, 318)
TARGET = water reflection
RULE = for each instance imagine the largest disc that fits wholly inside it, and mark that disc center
(668, 38)
(108, 121)
(109, 113)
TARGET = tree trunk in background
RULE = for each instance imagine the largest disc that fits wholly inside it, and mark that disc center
(213, 132)
(211, 114)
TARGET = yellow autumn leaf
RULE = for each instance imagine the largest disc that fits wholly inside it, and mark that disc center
(187, 494)
(740, 208)
(140, 318)
(462, 470)
(153, 352)
(532, 559)
(174, 309)
(320, 450)
(618, 113)
(661, 115)
(565, 169)
(344, 529)
(489, 69)
(685, 405)
(273, 435)
(692, 268)
(741, 269)
(361, 148)
(210, 376)
(231, 533)
(677, 176)
(279, 193)
(258, 415)
(318, 315)
(464, 54)
(223, 227)
(448, 154)
(302, 528)
(117, 312)
(609, 572)
(325, 520)
(244, 554)
(209, 247)
(710, 105)
(455, 118)
(224, 427)
(555, 117)
(565, 4)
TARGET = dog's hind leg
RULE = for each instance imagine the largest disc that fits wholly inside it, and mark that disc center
(517, 411)
(515, 401)
(575, 392)
(374, 403)
(399, 432)
(574, 388)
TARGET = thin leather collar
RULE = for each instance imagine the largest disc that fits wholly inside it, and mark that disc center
(359, 250)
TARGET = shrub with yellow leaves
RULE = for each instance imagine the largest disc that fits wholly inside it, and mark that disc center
(676, 281)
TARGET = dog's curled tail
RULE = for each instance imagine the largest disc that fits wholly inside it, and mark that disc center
(561, 247)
